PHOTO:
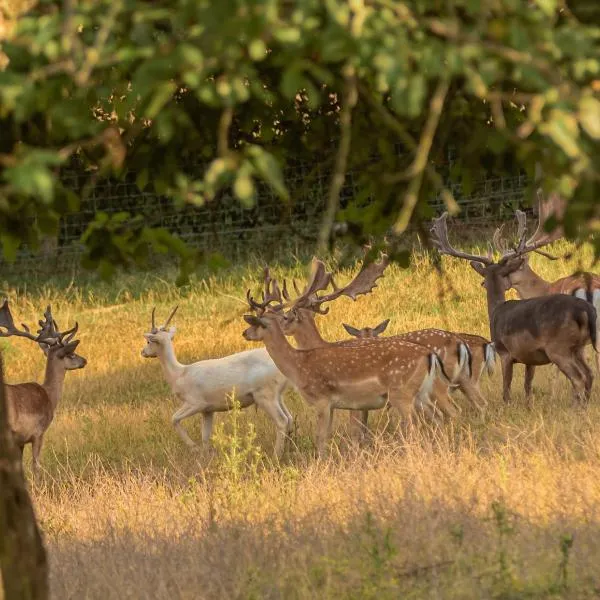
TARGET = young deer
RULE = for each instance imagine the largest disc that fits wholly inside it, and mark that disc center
(539, 331)
(31, 406)
(356, 376)
(206, 386)
(454, 351)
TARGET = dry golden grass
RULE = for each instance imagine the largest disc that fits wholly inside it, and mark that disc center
(478, 508)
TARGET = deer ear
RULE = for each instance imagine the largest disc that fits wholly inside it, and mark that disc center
(479, 267)
(381, 327)
(171, 332)
(351, 330)
(68, 349)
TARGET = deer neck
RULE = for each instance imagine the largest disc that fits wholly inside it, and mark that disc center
(283, 354)
(54, 380)
(495, 297)
(532, 288)
(172, 368)
(308, 335)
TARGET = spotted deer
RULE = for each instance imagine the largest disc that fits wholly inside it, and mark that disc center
(453, 349)
(31, 406)
(206, 386)
(362, 375)
(538, 331)
(299, 322)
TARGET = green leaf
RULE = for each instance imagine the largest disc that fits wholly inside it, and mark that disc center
(269, 169)
(589, 116)
(243, 188)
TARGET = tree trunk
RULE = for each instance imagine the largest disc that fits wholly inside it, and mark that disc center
(22, 556)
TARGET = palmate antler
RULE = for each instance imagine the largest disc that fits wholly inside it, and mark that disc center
(320, 280)
(271, 294)
(554, 206)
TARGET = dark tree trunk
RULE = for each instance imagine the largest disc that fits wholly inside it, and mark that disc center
(22, 556)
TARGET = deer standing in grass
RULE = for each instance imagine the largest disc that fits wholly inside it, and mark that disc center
(362, 375)
(299, 322)
(528, 284)
(206, 386)
(461, 363)
(539, 331)
(31, 406)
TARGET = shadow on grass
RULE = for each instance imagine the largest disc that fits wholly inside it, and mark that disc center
(405, 549)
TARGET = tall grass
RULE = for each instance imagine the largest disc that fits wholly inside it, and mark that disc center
(505, 506)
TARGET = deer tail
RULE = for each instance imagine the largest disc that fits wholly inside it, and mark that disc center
(465, 360)
(436, 368)
(595, 323)
(489, 357)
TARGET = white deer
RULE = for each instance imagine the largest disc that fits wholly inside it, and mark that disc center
(208, 386)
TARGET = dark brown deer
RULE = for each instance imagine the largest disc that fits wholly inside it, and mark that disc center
(527, 283)
(31, 406)
(539, 331)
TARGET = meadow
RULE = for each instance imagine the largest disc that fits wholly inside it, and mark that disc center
(501, 506)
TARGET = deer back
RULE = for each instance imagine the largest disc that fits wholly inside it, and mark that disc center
(30, 411)
(527, 328)
(584, 283)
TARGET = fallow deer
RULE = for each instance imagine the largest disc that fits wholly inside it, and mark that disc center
(528, 284)
(31, 406)
(299, 322)
(539, 331)
(453, 349)
(206, 386)
(355, 376)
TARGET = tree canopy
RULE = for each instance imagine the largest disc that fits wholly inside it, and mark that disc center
(248, 86)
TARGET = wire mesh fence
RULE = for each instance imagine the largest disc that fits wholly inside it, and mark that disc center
(224, 225)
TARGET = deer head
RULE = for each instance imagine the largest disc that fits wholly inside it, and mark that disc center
(366, 332)
(158, 337)
(497, 274)
(55, 344)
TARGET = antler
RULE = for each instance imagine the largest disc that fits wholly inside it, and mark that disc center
(271, 294)
(363, 283)
(441, 242)
(554, 206)
(156, 329)
(7, 322)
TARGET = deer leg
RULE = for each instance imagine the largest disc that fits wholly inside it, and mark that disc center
(324, 418)
(36, 446)
(568, 367)
(185, 411)
(440, 399)
(207, 426)
(472, 392)
(507, 375)
(529, 373)
(403, 400)
(284, 408)
(270, 405)
(585, 370)
(358, 424)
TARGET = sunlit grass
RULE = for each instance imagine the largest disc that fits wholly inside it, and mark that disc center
(477, 508)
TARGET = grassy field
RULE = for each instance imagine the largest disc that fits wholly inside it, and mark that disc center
(505, 506)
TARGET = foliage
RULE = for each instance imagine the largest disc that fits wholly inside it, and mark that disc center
(249, 86)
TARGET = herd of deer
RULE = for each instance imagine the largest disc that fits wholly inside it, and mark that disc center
(415, 371)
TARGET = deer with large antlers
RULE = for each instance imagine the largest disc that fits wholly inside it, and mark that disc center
(300, 323)
(206, 386)
(463, 366)
(538, 331)
(527, 283)
(357, 375)
(31, 406)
